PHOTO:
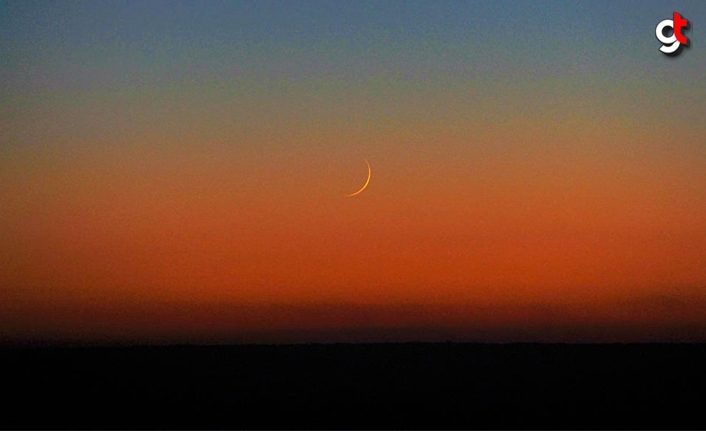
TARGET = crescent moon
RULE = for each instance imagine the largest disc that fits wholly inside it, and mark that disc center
(364, 185)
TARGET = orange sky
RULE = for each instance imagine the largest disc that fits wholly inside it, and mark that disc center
(211, 228)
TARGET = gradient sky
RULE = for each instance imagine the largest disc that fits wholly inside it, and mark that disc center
(175, 170)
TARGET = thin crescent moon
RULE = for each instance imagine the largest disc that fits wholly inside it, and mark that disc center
(364, 185)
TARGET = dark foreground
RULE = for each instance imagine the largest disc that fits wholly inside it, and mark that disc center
(356, 386)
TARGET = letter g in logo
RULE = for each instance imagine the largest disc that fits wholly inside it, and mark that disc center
(673, 45)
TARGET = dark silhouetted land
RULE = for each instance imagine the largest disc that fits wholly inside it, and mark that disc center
(442, 385)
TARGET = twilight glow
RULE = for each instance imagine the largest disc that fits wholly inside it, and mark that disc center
(174, 170)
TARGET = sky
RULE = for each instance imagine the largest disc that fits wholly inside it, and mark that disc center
(177, 171)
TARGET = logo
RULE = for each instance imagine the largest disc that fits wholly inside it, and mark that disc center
(673, 44)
